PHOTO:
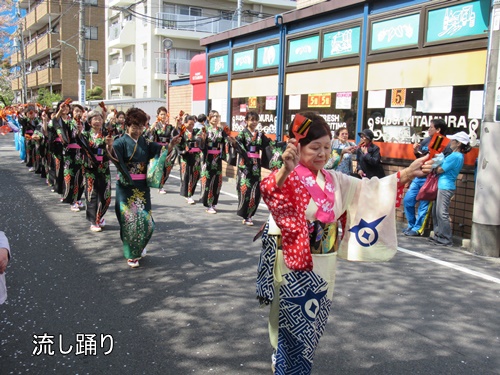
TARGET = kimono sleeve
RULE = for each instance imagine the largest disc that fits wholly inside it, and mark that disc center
(154, 149)
(287, 205)
(370, 233)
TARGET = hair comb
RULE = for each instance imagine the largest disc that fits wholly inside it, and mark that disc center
(300, 126)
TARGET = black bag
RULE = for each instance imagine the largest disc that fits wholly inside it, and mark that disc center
(232, 155)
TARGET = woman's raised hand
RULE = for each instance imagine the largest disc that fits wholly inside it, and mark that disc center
(291, 155)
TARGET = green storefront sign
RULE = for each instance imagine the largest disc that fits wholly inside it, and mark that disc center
(397, 32)
(305, 49)
(243, 60)
(342, 42)
(218, 65)
(458, 21)
(268, 56)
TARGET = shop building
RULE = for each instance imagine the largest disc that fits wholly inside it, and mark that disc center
(391, 66)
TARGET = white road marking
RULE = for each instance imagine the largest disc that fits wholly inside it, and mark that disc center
(413, 253)
(450, 265)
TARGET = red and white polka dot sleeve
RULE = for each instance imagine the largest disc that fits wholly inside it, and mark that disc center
(287, 205)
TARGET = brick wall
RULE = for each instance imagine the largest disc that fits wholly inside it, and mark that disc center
(181, 98)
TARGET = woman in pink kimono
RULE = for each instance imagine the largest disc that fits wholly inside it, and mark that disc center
(296, 272)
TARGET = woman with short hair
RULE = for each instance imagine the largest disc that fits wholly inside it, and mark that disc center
(131, 154)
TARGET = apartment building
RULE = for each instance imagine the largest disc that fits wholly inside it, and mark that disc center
(50, 43)
(136, 31)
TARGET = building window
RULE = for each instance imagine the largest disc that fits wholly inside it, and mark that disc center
(94, 64)
(226, 15)
(90, 2)
(189, 11)
(91, 32)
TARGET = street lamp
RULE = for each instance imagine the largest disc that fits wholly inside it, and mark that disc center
(91, 70)
(81, 73)
(167, 46)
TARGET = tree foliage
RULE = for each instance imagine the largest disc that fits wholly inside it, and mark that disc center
(95, 93)
(8, 21)
(6, 93)
(46, 98)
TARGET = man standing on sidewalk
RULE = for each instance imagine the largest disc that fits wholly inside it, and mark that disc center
(418, 220)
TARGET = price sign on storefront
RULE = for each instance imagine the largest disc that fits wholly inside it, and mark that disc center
(252, 102)
(319, 100)
(398, 98)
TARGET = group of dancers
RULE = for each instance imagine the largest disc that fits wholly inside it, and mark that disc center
(71, 148)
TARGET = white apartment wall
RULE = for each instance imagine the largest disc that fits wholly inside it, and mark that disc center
(145, 29)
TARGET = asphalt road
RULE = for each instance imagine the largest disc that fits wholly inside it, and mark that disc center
(190, 308)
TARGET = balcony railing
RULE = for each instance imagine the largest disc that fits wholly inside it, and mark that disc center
(41, 14)
(122, 73)
(177, 66)
(49, 76)
(122, 35)
(192, 23)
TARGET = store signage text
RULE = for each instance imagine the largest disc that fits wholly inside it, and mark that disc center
(218, 65)
(267, 56)
(458, 21)
(304, 49)
(243, 60)
(396, 32)
(424, 121)
(319, 100)
(342, 42)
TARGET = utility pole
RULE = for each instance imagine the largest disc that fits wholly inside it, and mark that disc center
(24, 90)
(485, 236)
(81, 55)
(240, 6)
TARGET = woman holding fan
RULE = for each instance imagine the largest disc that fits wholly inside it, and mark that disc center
(252, 143)
(296, 272)
(96, 171)
(215, 151)
(132, 154)
(189, 150)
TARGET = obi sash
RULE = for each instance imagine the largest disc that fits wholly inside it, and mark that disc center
(253, 155)
(213, 152)
(57, 140)
(138, 176)
(194, 149)
(99, 158)
(73, 145)
(324, 199)
(28, 132)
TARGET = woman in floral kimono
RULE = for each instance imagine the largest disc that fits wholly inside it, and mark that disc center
(55, 149)
(29, 121)
(96, 172)
(189, 150)
(68, 131)
(253, 142)
(131, 154)
(161, 132)
(40, 138)
(297, 266)
(211, 172)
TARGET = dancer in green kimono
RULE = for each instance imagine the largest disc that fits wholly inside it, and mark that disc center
(132, 154)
